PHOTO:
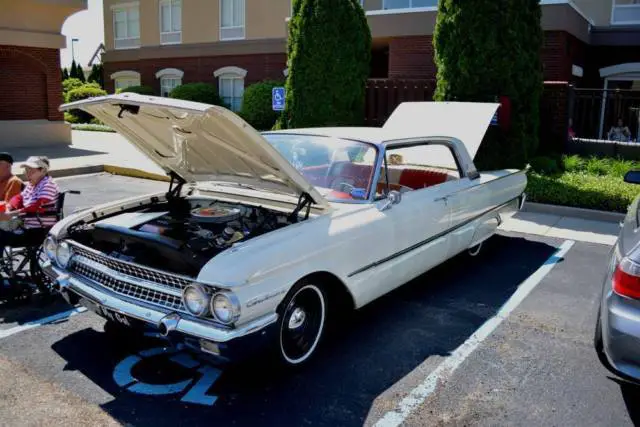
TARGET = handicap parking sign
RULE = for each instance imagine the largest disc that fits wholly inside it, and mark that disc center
(277, 98)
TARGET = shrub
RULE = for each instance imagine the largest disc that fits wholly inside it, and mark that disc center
(545, 165)
(70, 118)
(256, 105)
(329, 54)
(582, 190)
(198, 92)
(69, 84)
(84, 92)
(489, 50)
(142, 90)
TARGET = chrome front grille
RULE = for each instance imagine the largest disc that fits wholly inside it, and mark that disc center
(147, 274)
(129, 289)
(141, 283)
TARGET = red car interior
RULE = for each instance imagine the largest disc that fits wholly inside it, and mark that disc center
(418, 178)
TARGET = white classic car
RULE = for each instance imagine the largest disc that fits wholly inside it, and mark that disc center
(262, 238)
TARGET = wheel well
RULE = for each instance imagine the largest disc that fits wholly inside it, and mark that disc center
(336, 289)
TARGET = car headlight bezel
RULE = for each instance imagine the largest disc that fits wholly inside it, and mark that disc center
(51, 249)
(64, 259)
(233, 307)
(200, 291)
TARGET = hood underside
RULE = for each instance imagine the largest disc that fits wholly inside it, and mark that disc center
(199, 142)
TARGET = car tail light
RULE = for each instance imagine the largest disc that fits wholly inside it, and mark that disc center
(626, 279)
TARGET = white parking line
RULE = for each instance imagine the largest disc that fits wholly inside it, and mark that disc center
(419, 394)
(35, 323)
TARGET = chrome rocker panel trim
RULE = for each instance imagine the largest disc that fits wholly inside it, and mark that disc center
(155, 316)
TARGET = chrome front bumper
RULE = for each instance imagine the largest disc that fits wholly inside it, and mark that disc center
(165, 320)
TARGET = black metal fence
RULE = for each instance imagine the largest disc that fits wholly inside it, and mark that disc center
(592, 112)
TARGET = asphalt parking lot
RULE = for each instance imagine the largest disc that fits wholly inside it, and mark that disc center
(422, 355)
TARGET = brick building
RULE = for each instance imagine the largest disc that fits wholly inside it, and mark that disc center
(30, 43)
(162, 43)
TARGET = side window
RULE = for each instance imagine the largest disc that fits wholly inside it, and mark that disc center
(416, 167)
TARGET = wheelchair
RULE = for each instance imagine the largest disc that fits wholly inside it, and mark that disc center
(21, 275)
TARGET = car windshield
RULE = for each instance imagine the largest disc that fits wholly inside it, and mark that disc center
(341, 170)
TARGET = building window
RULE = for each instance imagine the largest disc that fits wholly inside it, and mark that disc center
(408, 4)
(625, 12)
(167, 84)
(126, 26)
(231, 19)
(170, 21)
(126, 78)
(170, 78)
(231, 86)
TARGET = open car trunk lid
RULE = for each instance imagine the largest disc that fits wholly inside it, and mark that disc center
(466, 121)
(199, 142)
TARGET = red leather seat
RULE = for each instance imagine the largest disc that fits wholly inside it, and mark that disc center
(419, 178)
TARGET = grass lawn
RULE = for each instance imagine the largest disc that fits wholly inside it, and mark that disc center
(589, 183)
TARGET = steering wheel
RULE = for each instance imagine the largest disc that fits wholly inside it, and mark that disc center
(345, 187)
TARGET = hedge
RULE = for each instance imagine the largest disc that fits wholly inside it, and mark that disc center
(198, 92)
(84, 92)
(256, 105)
(142, 90)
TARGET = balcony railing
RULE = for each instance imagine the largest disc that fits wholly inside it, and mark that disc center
(626, 14)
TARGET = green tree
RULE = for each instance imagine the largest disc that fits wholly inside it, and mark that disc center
(491, 48)
(65, 74)
(329, 54)
(96, 75)
(73, 73)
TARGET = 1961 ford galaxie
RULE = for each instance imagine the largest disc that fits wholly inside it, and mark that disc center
(262, 237)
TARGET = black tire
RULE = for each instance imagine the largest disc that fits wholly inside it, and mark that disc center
(301, 324)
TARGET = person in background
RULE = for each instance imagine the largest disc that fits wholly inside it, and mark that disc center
(40, 197)
(619, 132)
(10, 185)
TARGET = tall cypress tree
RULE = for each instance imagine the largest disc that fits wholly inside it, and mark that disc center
(65, 74)
(329, 54)
(74, 71)
(491, 48)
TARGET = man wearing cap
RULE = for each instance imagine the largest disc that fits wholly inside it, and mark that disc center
(10, 185)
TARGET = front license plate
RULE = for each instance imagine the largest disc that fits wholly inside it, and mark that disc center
(115, 316)
(105, 312)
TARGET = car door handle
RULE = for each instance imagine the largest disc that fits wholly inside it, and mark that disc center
(441, 199)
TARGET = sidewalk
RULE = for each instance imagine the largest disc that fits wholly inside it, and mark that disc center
(89, 152)
(564, 227)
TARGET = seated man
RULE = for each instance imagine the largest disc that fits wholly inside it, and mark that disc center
(38, 197)
(10, 185)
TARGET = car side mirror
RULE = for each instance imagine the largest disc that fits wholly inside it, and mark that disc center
(632, 177)
(393, 198)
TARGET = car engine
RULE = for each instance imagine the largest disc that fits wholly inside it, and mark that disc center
(179, 236)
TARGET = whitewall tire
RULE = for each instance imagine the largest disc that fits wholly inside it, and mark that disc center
(302, 323)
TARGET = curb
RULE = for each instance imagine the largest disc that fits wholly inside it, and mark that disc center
(590, 214)
(135, 173)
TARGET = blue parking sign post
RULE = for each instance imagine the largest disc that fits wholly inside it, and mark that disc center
(277, 98)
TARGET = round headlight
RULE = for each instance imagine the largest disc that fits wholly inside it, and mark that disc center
(225, 307)
(63, 254)
(50, 248)
(196, 300)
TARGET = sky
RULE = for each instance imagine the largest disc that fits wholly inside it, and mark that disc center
(86, 26)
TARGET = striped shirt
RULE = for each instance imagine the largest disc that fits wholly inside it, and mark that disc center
(41, 198)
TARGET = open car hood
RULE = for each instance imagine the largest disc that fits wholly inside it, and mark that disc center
(199, 142)
(466, 121)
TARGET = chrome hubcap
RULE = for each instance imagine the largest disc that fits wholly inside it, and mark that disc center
(297, 318)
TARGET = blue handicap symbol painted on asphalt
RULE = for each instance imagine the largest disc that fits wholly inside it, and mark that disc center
(277, 98)
(204, 377)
